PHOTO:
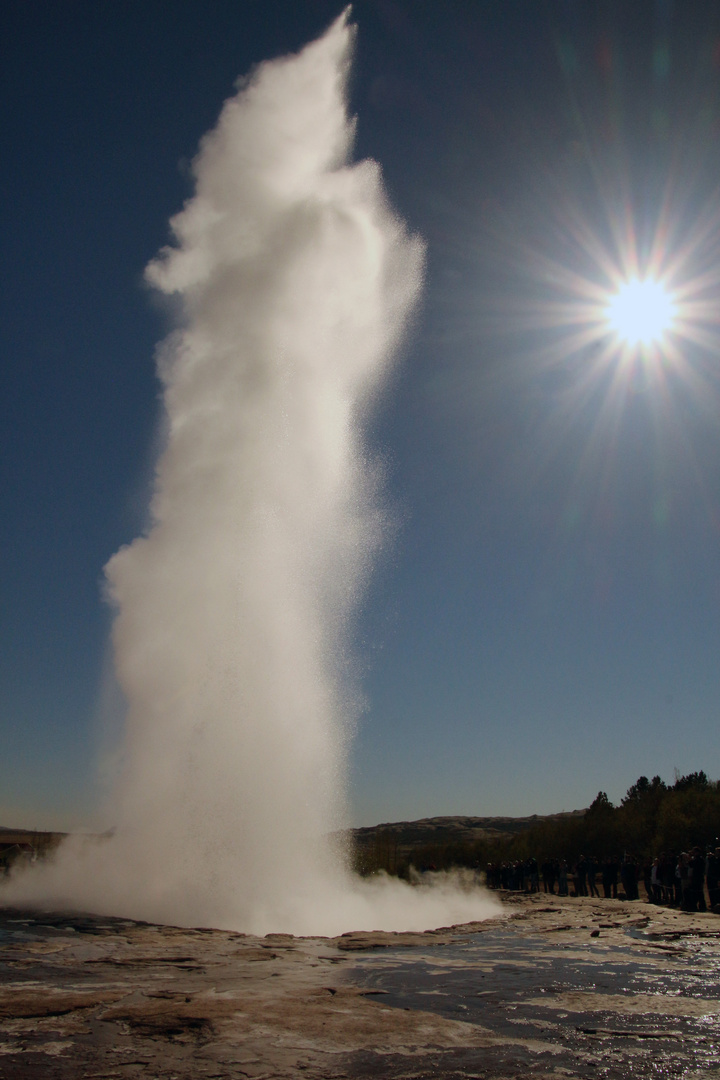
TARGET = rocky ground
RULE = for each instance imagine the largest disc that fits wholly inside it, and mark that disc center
(557, 987)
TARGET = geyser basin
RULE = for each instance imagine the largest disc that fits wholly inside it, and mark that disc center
(294, 280)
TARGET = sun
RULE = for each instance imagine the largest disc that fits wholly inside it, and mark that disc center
(641, 312)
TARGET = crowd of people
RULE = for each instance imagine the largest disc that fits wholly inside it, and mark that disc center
(688, 880)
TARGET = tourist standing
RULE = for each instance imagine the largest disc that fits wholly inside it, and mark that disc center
(712, 873)
(563, 878)
(592, 869)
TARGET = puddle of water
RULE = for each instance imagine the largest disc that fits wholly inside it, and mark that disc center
(500, 980)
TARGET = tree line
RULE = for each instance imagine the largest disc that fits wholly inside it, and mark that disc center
(653, 817)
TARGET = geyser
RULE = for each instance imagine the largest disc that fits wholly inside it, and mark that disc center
(294, 280)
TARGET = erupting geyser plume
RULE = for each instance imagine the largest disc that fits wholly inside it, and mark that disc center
(294, 279)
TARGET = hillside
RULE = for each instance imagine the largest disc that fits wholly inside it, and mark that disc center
(406, 837)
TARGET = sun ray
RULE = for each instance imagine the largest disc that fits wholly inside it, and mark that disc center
(619, 326)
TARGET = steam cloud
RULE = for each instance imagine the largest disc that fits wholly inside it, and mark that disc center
(294, 279)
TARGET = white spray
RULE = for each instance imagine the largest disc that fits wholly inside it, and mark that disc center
(295, 280)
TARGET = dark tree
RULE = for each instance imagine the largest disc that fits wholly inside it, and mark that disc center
(600, 805)
(697, 780)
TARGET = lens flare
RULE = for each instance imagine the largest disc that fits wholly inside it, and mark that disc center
(641, 312)
(611, 304)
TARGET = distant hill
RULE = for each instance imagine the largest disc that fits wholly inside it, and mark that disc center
(19, 843)
(403, 837)
(409, 836)
(28, 836)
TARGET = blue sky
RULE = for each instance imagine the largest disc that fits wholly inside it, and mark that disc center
(543, 621)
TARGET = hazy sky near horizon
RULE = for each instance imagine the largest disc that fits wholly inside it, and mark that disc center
(544, 620)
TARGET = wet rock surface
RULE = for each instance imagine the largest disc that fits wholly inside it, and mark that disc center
(575, 987)
(557, 987)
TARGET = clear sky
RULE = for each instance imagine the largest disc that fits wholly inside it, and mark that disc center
(544, 621)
